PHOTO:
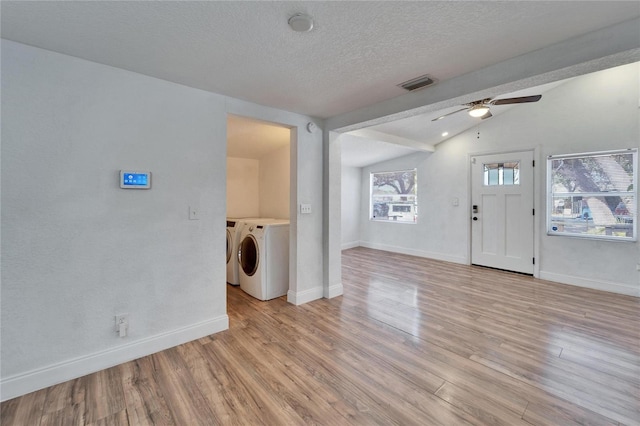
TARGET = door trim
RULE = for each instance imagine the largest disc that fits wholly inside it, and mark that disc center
(539, 207)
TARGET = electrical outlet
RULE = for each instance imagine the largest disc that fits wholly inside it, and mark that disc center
(122, 324)
(305, 208)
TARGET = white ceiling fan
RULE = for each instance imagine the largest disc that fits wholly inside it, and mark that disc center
(480, 109)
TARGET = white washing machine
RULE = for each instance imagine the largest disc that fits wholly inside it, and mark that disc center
(234, 227)
(263, 258)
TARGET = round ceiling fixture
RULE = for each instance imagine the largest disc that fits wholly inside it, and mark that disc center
(301, 23)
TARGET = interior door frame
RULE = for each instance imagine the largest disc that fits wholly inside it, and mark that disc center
(538, 173)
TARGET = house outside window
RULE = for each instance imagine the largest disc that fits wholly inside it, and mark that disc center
(593, 195)
(394, 196)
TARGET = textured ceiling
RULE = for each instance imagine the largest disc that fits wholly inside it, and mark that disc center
(355, 56)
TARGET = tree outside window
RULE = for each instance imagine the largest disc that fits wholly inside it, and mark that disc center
(394, 196)
(593, 195)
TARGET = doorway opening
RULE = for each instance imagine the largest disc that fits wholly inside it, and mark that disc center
(258, 184)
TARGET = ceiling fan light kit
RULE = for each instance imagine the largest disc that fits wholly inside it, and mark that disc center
(478, 111)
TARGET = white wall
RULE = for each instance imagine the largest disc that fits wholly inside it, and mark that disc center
(351, 194)
(78, 250)
(594, 112)
(274, 177)
(243, 188)
(259, 188)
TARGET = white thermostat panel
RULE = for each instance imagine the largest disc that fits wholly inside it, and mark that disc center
(135, 180)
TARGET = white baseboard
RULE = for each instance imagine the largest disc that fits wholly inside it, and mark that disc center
(305, 296)
(314, 294)
(21, 384)
(352, 244)
(334, 290)
(413, 252)
(590, 283)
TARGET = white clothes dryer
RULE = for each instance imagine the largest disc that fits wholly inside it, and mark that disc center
(263, 259)
(234, 227)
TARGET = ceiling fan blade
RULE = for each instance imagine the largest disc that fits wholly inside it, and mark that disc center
(520, 100)
(454, 112)
(487, 115)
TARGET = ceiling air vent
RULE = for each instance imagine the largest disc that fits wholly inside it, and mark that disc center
(417, 83)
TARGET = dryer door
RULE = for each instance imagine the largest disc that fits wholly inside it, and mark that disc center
(229, 245)
(249, 255)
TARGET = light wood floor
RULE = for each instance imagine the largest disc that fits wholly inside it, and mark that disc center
(411, 341)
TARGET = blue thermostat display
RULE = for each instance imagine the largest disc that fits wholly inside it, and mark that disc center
(135, 180)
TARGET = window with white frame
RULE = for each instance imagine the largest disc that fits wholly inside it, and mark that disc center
(593, 195)
(394, 196)
(502, 174)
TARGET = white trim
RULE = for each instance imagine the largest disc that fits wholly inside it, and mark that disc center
(21, 384)
(593, 153)
(371, 208)
(412, 252)
(305, 296)
(334, 290)
(591, 283)
(352, 244)
(550, 194)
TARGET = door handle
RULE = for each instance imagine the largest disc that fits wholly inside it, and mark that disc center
(475, 218)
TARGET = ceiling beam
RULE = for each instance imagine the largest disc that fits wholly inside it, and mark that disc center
(397, 140)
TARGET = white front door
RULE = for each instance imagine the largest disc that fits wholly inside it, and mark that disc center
(502, 211)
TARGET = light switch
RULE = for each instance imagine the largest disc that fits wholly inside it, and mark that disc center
(305, 208)
(455, 202)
